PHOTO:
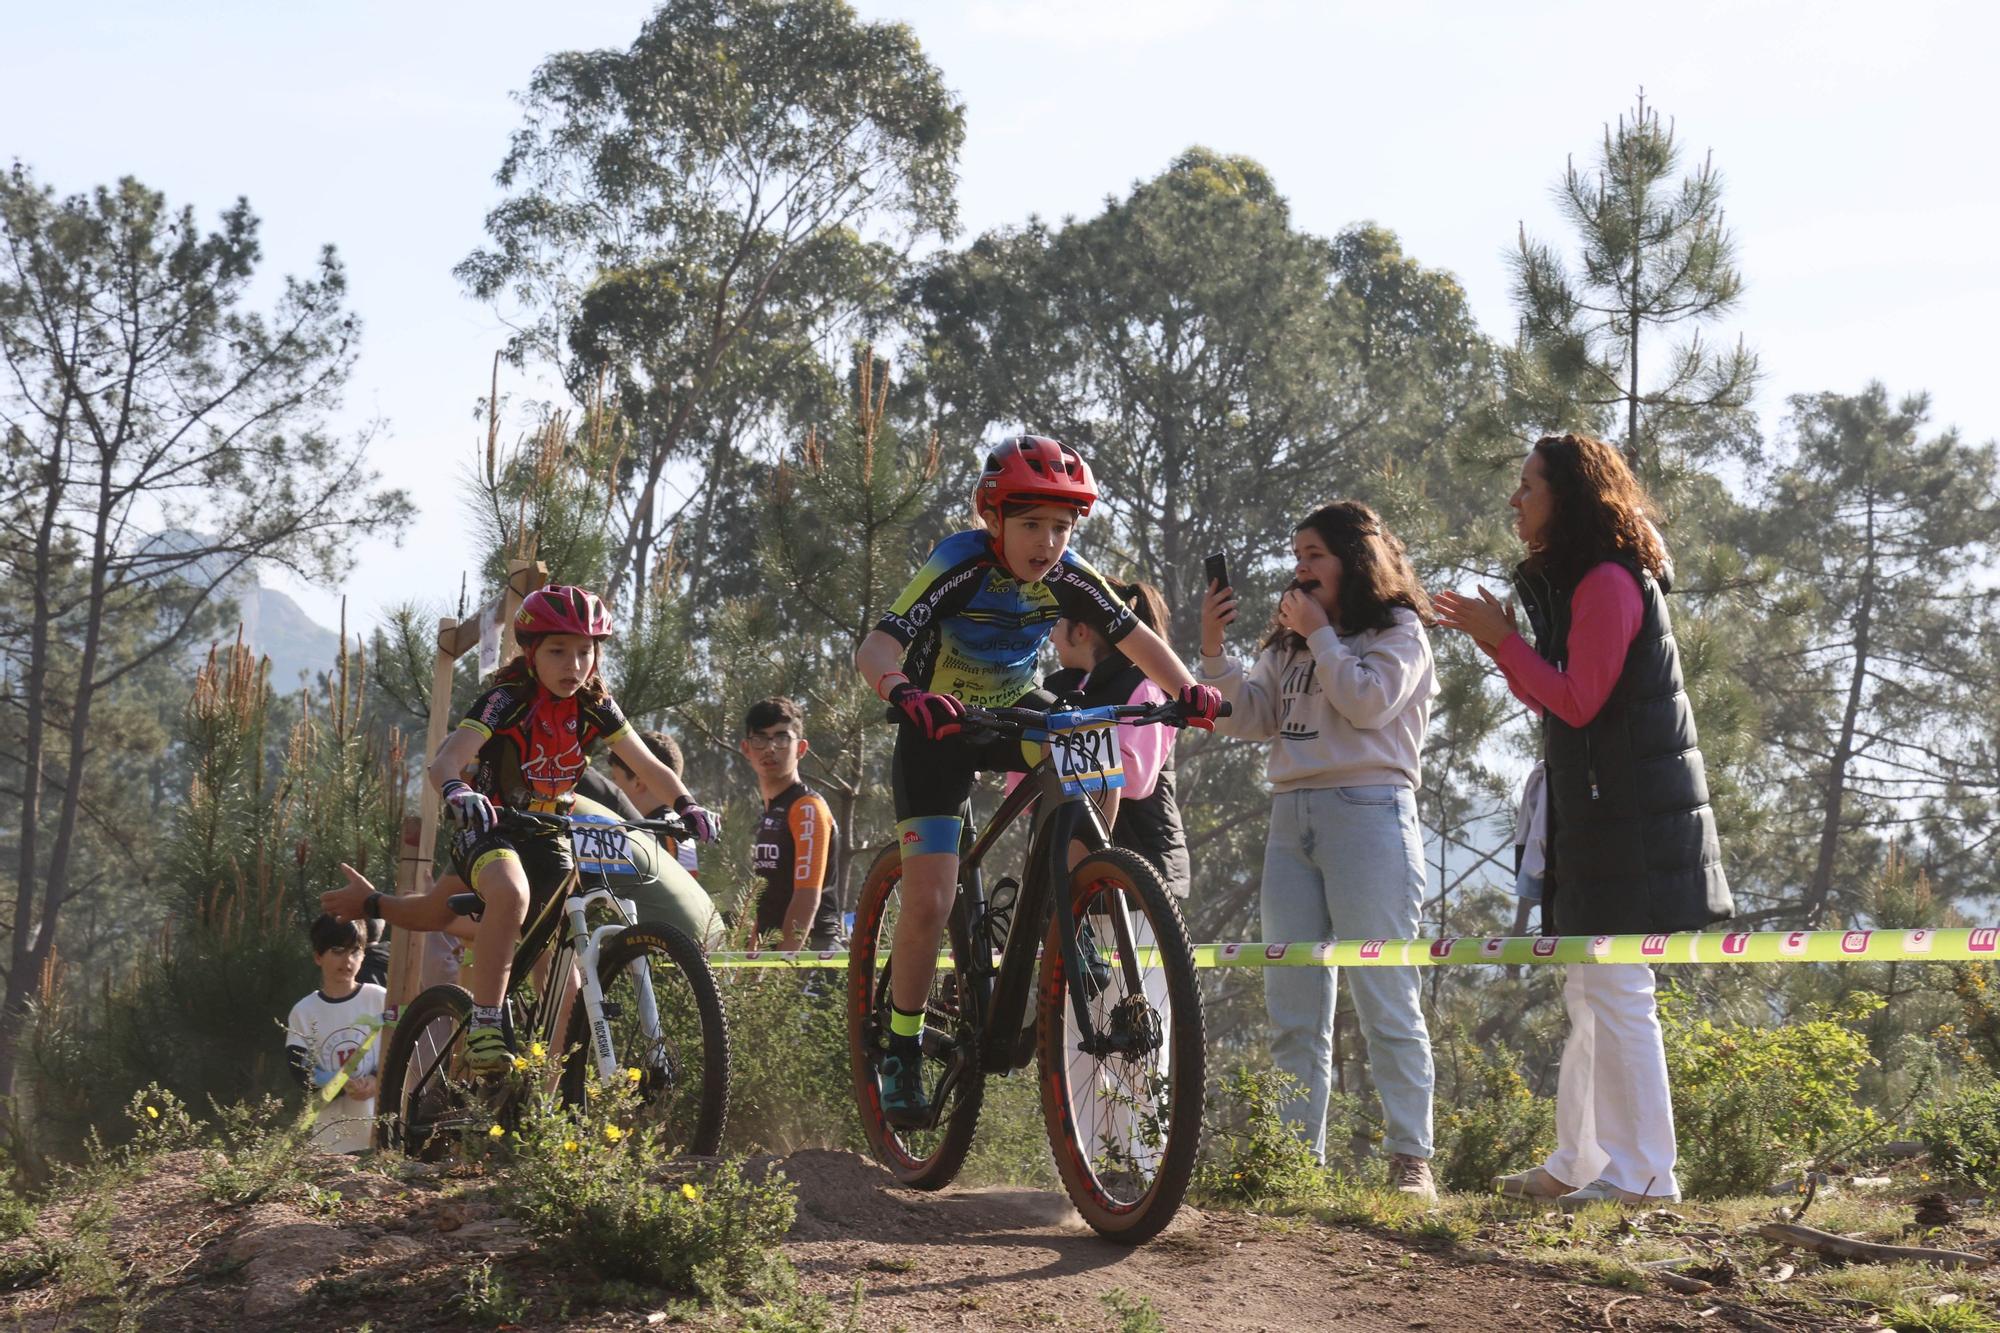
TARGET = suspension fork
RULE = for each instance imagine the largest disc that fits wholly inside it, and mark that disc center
(584, 951)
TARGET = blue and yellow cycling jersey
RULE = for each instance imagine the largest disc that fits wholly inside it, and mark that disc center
(971, 629)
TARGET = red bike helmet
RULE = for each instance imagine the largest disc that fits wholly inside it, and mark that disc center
(1037, 470)
(561, 609)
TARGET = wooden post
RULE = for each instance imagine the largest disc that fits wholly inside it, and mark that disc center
(405, 975)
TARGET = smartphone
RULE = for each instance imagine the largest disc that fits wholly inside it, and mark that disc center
(1215, 573)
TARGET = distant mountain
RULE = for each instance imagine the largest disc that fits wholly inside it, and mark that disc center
(278, 627)
(274, 625)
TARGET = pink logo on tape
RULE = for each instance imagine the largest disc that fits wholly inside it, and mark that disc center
(1275, 951)
(1230, 951)
(1855, 941)
(1323, 950)
(1736, 942)
(1653, 946)
(1441, 948)
(1600, 947)
(1794, 943)
(1545, 946)
(1982, 940)
(826, 955)
(1372, 948)
(1916, 941)
(1494, 946)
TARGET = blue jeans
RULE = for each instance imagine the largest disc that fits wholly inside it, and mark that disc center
(1348, 863)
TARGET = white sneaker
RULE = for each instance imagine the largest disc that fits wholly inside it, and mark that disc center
(1603, 1191)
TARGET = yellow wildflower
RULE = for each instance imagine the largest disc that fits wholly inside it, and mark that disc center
(569, 1145)
(537, 1050)
(692, 1193)
(495, 1132)
(612, 1133)
(633, 1076)
(519, 1064)
(153, 1113)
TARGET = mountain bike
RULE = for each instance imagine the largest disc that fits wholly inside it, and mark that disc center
(1100, 949)
(627, 995)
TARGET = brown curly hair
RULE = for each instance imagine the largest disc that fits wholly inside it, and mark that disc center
(1600, 511)
(1375, 572)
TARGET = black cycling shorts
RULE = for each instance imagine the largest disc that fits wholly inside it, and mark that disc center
(545, 859)
(933, 779)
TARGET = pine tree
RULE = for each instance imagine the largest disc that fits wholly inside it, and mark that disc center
(1655, 254)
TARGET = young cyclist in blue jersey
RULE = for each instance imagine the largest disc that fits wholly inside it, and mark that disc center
(968, 630)
(525, 739)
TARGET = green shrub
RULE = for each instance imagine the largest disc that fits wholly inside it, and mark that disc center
(1962, 1132)
(1261, 1158)
(1493, 1123)
(1751, 1103)
(605, 1195)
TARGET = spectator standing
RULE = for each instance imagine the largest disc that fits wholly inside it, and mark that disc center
(326, 1033)
(793, 843)
(1342, 691)
(1630, 838)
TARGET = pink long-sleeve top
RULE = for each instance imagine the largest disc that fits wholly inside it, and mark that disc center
(1605, 613)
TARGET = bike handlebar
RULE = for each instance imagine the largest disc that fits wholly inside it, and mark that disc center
(1012, 722)
(671, 825)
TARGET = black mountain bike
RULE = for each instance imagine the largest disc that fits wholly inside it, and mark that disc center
(1103, 954)
(627, 994)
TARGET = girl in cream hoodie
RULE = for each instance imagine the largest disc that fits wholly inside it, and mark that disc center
(1342, 692)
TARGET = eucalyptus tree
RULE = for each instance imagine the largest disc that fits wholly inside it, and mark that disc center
(692, 216)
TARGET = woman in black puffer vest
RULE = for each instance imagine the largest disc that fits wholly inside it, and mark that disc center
(1631, 842)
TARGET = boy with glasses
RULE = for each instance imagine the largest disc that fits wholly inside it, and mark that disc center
(794, 838)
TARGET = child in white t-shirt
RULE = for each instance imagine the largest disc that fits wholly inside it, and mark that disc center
(330, 1030)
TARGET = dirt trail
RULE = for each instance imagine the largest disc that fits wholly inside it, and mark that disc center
(394, 1253)
(1021, 1259)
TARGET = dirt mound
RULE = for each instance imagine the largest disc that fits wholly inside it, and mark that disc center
(844, 1196)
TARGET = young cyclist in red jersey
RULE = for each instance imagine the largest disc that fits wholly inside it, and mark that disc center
(969, 630)
(527, 734)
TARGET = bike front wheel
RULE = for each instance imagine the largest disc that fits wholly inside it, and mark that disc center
(926, 1158)
(664, 1018)
(425, 1104)
(1122, 1102)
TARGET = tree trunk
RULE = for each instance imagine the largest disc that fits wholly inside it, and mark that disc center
(1821, 887)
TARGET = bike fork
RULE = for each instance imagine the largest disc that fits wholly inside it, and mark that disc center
(592, 998)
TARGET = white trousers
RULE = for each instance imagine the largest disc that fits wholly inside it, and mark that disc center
(1614, 1114)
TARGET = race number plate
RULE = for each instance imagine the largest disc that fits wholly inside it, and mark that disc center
(1087, 758)
(600, 849)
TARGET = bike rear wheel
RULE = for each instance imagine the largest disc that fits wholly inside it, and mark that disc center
(424, 1106)
(920, 1158)
(683, 1063)
(1124, 1123)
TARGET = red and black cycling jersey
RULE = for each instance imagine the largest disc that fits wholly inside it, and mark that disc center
(790, 852)
(535, 742)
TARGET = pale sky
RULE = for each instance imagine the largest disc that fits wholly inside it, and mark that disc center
(1854, 141)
